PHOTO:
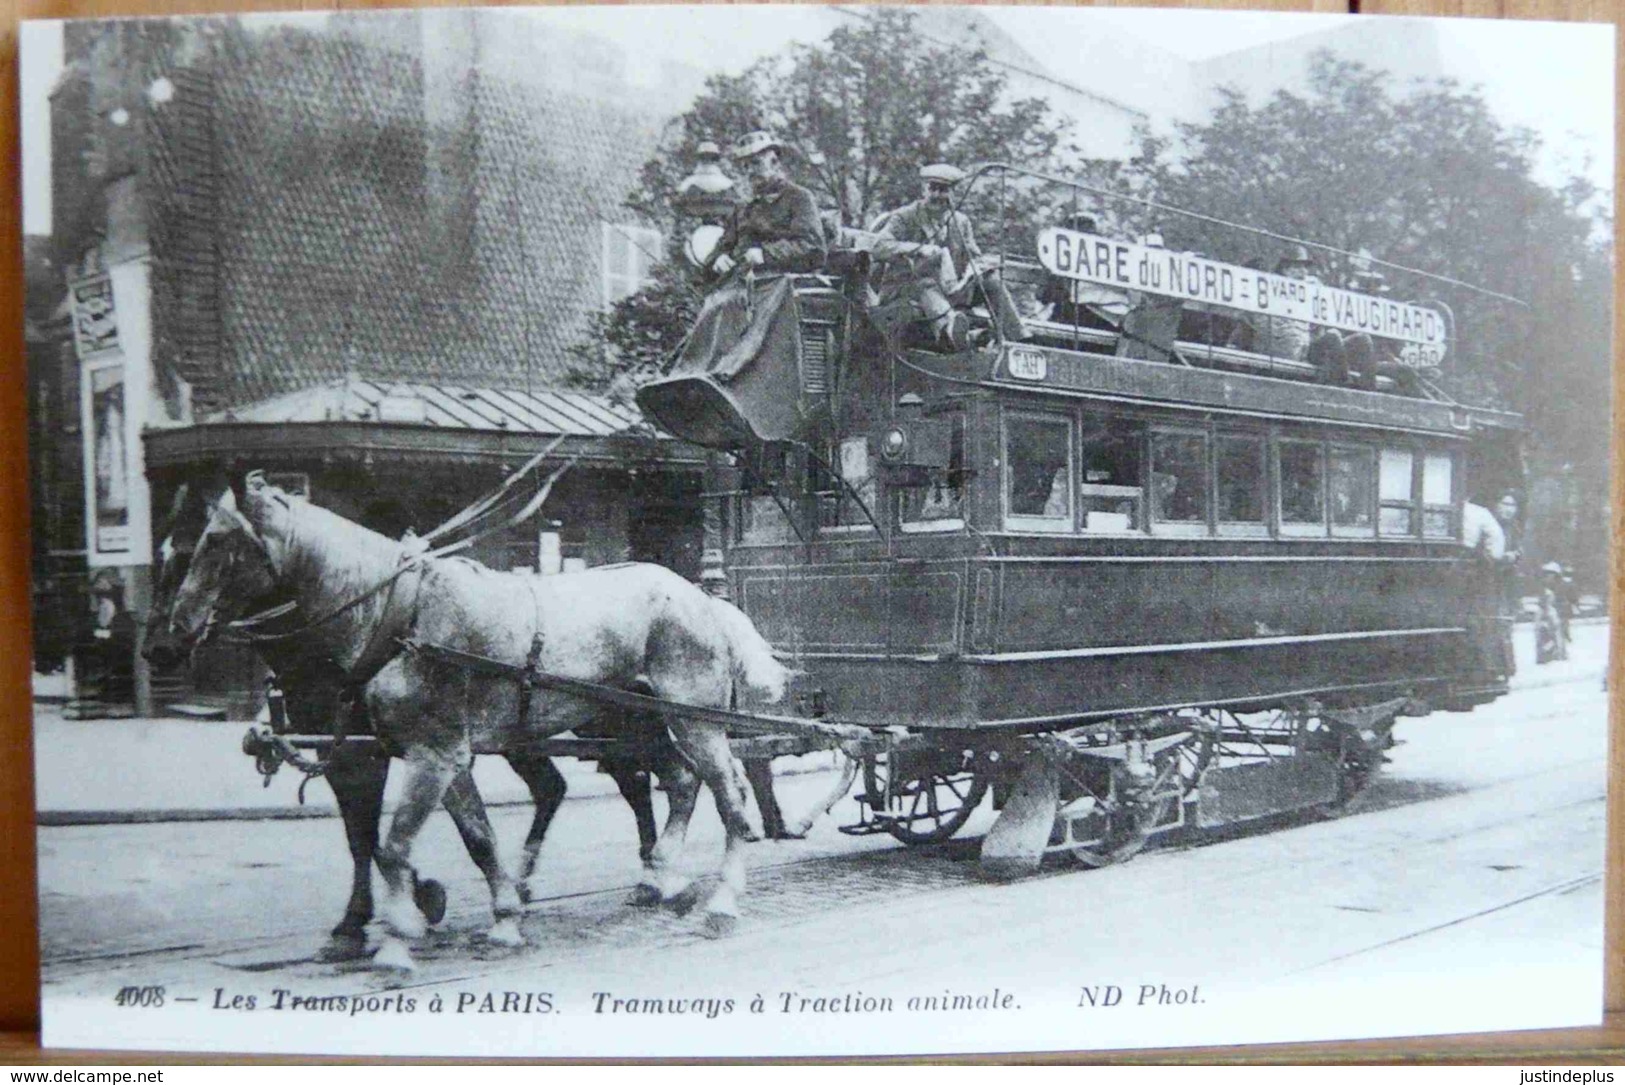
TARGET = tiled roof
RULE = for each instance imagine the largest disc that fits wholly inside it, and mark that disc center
(353, 231)
(444, 406)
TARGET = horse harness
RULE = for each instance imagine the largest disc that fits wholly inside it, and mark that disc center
(388, 638)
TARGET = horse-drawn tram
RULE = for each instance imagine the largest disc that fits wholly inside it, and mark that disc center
(1140, 570)
(1122, 580)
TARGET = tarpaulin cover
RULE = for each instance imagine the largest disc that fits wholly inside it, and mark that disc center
(738, 376)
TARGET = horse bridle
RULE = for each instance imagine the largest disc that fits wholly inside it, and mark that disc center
(244, 629)
(264, 550)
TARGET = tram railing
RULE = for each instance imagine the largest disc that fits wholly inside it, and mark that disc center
(1009, 205)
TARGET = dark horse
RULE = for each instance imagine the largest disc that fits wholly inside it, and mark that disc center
(628, 627)
(313, 686)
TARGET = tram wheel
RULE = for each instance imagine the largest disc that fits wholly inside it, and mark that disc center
(1108, 814)
(1122, 835)
(925, 807)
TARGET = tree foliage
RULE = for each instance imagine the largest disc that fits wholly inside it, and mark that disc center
(1428, 179)
(862, 110)
(1424, 177)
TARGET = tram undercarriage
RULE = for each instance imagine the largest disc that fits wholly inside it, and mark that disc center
(1099, 793)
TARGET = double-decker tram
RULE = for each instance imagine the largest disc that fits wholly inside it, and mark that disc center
(1126, 576)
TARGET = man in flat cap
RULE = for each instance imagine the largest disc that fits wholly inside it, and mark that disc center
(944, 259)
(778, 228)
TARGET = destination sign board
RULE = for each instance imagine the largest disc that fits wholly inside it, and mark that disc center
(1109, 262)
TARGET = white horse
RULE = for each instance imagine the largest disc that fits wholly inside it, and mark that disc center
(635, 627)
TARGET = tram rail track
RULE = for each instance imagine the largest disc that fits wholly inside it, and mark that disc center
(592, 920)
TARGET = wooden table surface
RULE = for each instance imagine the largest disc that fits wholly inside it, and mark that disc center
(19, 960)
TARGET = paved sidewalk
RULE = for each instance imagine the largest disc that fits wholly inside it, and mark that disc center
(99, 771)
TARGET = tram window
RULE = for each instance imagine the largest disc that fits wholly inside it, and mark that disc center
(1109, 492)
(1351, 477)
(1303, 487)
(1179, 478)
(1438, 506)
(1396, 491)
(839, 505)
(939, 506)
(1240, 469)
(1038, 468)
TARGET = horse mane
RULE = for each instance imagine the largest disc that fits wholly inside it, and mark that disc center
(353, 558)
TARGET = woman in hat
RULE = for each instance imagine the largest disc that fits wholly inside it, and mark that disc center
(778, 228)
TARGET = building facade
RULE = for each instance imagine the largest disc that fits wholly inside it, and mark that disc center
(355, 253)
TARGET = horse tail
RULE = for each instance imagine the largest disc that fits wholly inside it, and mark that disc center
(753, 660)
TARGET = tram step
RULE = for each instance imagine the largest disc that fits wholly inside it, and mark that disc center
(1244, 792)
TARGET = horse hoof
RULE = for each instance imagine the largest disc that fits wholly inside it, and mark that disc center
(405, 922)
(527, 895)
(644, 896)
(683, 901)
(430, 897)
(720, 925)
(394, 956)
(505, 932)
(343, 947)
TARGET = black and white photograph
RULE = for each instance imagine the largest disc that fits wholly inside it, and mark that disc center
(749, 531)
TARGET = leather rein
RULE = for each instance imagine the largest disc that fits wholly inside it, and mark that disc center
(415, 558)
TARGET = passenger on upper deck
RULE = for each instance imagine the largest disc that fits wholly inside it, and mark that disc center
(1385, 357)
(1280, 337)
(1079, 303)
(943, 268)
(1152, 322)
(778, 228)
(1344, 358)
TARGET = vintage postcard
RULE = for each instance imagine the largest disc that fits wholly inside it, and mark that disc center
(752, 531)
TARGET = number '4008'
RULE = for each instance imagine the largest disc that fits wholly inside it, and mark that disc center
(139, 996)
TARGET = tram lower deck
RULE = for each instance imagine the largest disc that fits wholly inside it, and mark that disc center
(1080, 555)
(1028, 638)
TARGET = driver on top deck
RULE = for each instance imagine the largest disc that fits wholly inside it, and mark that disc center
(778, 228)
(945, 267)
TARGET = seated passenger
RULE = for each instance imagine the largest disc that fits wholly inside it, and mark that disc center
(1206, 324)
(1386, 354)
(1152, 322)
(778, 228)
(940, 271)
(1280, 337)
(1059, 501)
(1173, 503)
(1083, 304)
(1344, 358)
(1358, 358)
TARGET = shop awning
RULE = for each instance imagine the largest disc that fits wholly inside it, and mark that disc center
(415, 420)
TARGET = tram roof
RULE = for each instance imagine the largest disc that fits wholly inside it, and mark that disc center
(1067, 374)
